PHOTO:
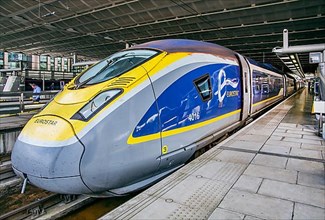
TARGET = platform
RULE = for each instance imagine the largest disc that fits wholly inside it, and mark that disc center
(271, 169)
(10, 127)
(14, 121)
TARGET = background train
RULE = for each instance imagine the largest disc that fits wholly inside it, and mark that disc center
(140, 114)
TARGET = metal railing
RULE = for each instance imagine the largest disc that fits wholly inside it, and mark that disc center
(19, 102)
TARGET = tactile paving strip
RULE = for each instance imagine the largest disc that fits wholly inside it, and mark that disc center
(230, 172)
(202, 203)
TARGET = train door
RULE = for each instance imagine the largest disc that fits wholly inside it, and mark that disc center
(285, 85)
(246, 88)
(179, 107)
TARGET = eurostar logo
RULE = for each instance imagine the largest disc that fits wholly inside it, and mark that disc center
(223, 82)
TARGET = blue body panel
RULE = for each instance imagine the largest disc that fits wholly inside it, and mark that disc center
(180, 105)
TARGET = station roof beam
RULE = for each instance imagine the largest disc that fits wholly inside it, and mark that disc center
(96, 29)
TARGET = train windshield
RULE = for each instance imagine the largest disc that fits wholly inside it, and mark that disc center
(114, 66)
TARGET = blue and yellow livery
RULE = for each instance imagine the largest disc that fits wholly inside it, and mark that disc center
(139, 114)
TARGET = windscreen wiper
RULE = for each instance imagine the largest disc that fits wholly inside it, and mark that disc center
(85, 82)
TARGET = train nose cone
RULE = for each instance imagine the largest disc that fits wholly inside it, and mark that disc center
(51, 163)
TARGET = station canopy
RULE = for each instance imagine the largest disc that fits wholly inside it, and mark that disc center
(97, 28)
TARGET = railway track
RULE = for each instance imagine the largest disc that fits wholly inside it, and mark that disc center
(6, 172)
(48, 207)
(52, 206)
(4, 158)
(32, 210)
(7, 176)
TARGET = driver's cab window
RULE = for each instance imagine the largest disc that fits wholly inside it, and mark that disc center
(203, 86)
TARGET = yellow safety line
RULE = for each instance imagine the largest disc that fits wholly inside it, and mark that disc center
(266, 100)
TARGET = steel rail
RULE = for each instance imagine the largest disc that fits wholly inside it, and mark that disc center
(6, 172)
(33, 209)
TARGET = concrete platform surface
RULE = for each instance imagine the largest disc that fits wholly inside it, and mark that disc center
(10, 127)
(271, 169)
(15, 121)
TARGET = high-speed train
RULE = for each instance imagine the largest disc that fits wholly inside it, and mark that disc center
(140, 114)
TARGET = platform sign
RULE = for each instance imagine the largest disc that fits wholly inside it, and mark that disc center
(315, 57)
(319, 107)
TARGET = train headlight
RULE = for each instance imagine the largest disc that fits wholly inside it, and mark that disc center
(96, 104)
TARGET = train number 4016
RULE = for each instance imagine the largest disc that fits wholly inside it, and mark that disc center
(194, 116)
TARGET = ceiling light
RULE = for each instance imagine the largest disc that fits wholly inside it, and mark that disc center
(91, 34)
(71, 30)
(108, 38)
(49, 14)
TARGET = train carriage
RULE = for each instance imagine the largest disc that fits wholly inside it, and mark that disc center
(267, 87)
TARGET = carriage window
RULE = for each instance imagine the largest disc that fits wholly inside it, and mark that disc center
(203, 86)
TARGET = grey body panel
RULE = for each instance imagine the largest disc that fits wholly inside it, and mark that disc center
(181, 155)
(176, 158)
(143, 183)
(51, 168)
(109, 162)
(67, 185)
(47, 162)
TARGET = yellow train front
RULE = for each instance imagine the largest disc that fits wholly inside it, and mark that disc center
(138, 115)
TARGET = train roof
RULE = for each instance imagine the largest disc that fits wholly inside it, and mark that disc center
(183, 45)
(265, 66)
